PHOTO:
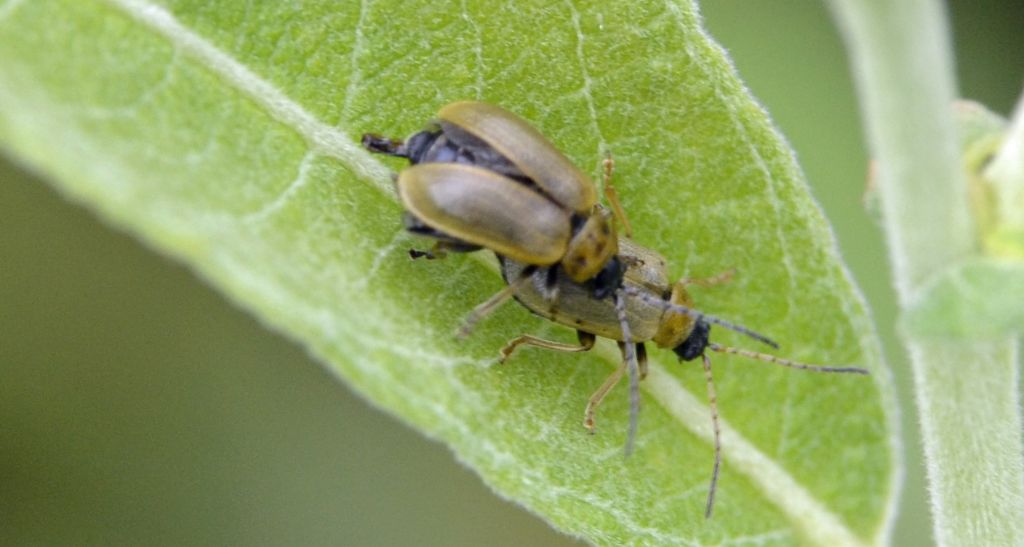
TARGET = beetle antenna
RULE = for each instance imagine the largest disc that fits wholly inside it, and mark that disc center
(633, 369)
(488, 306)
(784, 362)
(650, 298)
(713, 405)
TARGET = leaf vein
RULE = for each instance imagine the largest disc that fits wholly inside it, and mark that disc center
(477, 50)
(356, 76)
(586, 90)
(300, 180)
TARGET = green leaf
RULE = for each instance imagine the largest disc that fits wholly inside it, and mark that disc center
(227, 137)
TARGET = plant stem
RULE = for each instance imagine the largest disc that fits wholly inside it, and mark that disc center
(903, 68)
(970, 418)
(966, 391)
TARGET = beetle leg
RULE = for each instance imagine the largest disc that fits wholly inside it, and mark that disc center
(488, 306)
(600, 394)
(586, 344)
(613, 379)
(429, 255)
(441, 248)
(613, 197)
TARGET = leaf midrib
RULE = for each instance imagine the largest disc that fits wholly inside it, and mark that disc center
(322, 138)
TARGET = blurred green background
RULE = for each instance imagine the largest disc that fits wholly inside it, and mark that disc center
(138, 406)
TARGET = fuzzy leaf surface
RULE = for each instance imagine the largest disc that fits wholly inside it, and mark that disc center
(226, 135)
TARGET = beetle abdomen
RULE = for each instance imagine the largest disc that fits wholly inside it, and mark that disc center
(575, 306)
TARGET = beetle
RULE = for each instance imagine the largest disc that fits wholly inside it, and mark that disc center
(482, 177)
(656, 311)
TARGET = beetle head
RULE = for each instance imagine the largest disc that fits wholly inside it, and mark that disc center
(694, 344)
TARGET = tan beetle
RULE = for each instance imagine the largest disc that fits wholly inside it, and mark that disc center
(481, 177)
(656, 311)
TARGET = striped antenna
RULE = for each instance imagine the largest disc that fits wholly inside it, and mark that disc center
(632, 367)
(666, 305)
(713, 405)
(784, 362)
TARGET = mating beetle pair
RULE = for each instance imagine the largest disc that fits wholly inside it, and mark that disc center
(481, 177)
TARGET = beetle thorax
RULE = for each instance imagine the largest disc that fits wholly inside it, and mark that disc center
(592, 246)
(444, 143)
(675, 328)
